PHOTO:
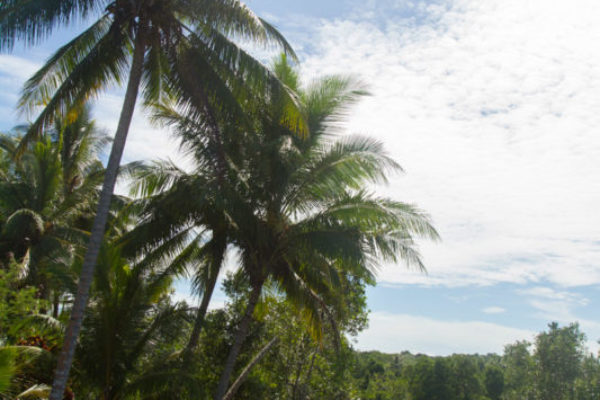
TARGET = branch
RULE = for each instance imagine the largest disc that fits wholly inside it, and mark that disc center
(238, 382)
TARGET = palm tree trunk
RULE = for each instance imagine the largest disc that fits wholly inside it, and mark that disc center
(199, 322)
(233, 389)
(65, 359)
(218, 248)
(239, 338)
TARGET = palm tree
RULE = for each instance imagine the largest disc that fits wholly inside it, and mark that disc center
(308, 221)
(129, 321)
(177, 202)
(185, 204)
(177, 47)
(47, 194)
(293, 206)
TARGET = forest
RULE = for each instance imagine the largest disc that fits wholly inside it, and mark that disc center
(269, 171)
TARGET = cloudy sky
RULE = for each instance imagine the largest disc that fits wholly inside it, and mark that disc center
(493, 109)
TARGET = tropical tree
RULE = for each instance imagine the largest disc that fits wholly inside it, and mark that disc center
(587, 386)
(176, 47)
(279, 198)
(494, 382)
(192, 204)
(47, 197)
(128, 326)
(184, 209)
(519, 371)
(26, 335)
(307, 223)
(558, 355)
(301, 366)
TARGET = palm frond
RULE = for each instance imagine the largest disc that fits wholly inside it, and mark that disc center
(151, 179)
(39, 88)
(329, 100)
(251, 78)
(34, 20)
(234, 18)
(83, 75)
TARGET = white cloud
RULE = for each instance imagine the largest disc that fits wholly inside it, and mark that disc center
(562, 306)
(183, 292)
(14, 71)
(492, 108)
(216, 303)
(553, 294)
(394, 333)
(494, 310)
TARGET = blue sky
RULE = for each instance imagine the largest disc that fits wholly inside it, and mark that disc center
(492, 110)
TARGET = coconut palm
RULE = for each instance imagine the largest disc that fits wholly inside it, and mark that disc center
(175, 47)
(129, 320)
(308, 222)
(187, 205)
(47, 194)
(294, 207)
(195, 202)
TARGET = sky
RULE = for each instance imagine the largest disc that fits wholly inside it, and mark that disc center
(493, 110)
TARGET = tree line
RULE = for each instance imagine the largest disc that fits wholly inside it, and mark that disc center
(555, 366)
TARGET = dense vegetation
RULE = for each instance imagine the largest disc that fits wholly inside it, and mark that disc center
(271, 175)
(555, 366)
(295, 366)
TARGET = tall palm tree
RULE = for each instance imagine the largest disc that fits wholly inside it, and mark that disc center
(176, 203)
(177, 47)
(293, 206)
(308, 221)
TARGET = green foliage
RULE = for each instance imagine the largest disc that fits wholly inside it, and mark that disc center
(518, 374)
(558, 356)
(7, 368)
(587, 385)
(297, 367)
(494, 381)
(46, 198)
(129, 325)
(25, 334)
(19, 307)
(519, 371)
